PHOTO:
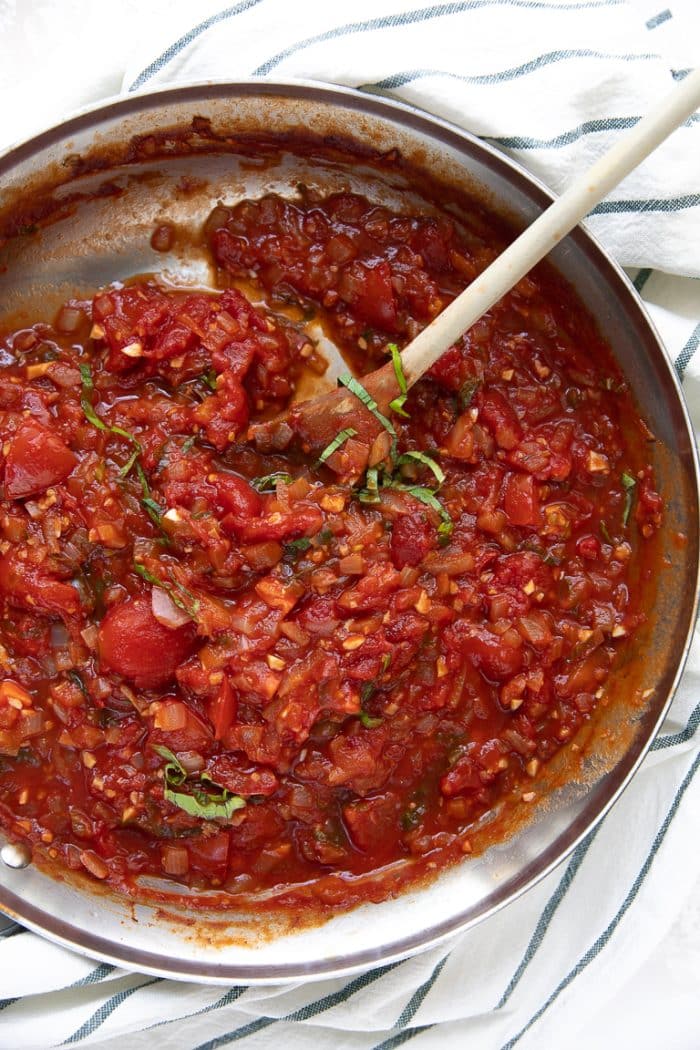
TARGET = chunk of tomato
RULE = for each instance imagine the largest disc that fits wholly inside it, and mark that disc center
(25, 585)
(37, 458)
(500, 418)
(520, 500)
(412, 537)
(496, 656)
(222, 709)
(236, 496)
(134, 644)
(367, 287)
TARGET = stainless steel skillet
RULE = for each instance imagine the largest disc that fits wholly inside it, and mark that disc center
(84, 199)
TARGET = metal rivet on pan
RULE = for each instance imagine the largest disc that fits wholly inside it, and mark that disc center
(16, 855)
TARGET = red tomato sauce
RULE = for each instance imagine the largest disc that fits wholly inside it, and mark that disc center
(236, 672)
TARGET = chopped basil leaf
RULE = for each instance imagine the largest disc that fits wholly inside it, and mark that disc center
(367, 400)
(336, 443)
(397, 404)
(133, 460)
(604, 532)
(297, 546)
(628, 484)
(126, 469)
(208, 807)
(209, 379)
(367, 689)
(428, 497)
(268, 483)
(386, 660)
(444, 532)
(368, 722)
(174, 771)
(189, 443)
(91, 415)
(146, 575)
(426, 460)
(191, 607)
(412, 817)
(86, 378)
(201, 803)
(370, 494)
(152, 509)
(467, 391)
(77, 680)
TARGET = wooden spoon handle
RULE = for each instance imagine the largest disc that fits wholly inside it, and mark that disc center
(551, 227)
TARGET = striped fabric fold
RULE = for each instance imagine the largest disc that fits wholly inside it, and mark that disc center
(553, 83)
(554, 90)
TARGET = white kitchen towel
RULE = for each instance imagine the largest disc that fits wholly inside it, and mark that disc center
(554, 84)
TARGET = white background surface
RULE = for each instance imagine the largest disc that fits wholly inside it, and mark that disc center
(57, 55)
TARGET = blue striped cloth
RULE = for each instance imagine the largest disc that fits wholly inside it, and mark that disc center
(552, 83)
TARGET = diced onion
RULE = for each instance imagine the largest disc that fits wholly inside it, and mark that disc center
(94, 864)
(175, 859)
(33, 510)
(451, 564)
(69, 319)
(31, 723)
(90, 636)
(166, 611)
(352, 565)
(170, 716)
(192, 761)
(59, 636)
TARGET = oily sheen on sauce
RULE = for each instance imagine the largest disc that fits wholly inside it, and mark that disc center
(250, 671)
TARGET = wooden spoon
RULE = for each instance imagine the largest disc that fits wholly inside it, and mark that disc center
(317, 422)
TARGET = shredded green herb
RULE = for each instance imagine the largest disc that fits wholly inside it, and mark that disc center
(336, 443)
(209, 379)
(426, 460)
(76, 679)
(91, 415)
(370, 493)
(149, 504)
(189, 443)
(268, 483)
(209, 805)
(467, 392)
(428, 497)
(191, 606)
(126, 469)
(153, 509)
(604, 532)
(293, 547)
(379, 477)
(194, 604)
(174, 771)
(367, 400)
(397, 404)
(444, 531)
(368, 722)
(628, 483)
(367, 689)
